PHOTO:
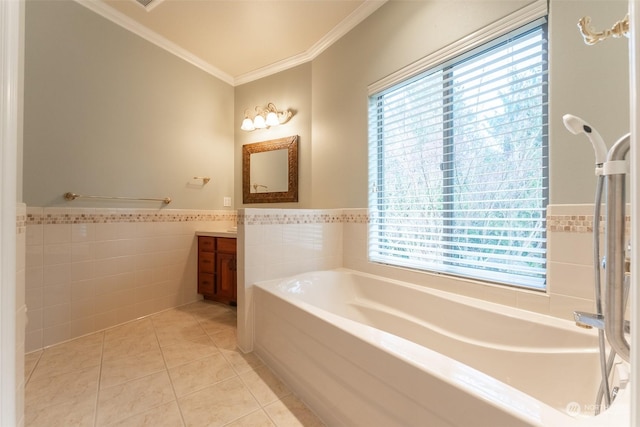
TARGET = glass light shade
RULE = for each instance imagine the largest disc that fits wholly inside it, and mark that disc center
(247, 124)
(272, 119)
(259, 122)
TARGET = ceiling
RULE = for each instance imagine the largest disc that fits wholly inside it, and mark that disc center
(239, 41)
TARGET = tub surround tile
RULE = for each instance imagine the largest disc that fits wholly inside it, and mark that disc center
(573, 280)
(533, 301)
(563, 306)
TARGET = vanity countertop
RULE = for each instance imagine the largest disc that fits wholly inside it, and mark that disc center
(228, 233)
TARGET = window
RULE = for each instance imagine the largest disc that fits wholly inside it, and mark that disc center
(458, 165)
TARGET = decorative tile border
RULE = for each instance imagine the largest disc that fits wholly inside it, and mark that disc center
(292, 216)
(578, 223)
(58, 216)
(36, 216)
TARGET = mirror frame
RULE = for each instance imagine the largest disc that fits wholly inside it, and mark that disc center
(291, 195)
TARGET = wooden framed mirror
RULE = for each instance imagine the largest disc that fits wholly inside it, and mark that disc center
(270, 171)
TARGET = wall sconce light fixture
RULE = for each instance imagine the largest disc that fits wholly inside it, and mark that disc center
(265, 118)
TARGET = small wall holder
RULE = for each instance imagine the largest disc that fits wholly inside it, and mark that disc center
(205, 179)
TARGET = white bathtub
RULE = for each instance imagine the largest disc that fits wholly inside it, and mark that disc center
(362, 350)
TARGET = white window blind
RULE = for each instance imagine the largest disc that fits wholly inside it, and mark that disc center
(458, 165)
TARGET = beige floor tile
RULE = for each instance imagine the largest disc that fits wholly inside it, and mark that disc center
(30, 362)
(179, 333)
(200, 374)
(71, 358)
(205, 309)
(167, 415)
(241, 362)
(130, 375)
(134, 397)
(63, 388)
(80, 412)
(130, 346)
(219, 323)
(137, 328)
(171, 318)
(227, 339)
(87, 340)
(255, 419)
(189, 350)
(291, 412)
(118, 371)
(218, 404)
(264, 385)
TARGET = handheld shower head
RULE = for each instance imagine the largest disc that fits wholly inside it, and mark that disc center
(576, 125)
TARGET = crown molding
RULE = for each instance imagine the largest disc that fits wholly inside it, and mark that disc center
(346, 25)
(135, 27)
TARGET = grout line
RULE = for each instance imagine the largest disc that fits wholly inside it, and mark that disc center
(97, 401)
(33, 369)
(166, 367)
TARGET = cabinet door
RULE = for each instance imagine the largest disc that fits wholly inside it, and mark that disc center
(226, 276)
(206, 284)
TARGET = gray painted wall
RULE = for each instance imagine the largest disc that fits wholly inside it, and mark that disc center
(288, 90)
(108, 113)
(589, 81)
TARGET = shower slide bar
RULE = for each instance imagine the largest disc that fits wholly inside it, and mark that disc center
(72, 196)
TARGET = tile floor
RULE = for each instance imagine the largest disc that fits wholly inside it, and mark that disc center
(179, 367)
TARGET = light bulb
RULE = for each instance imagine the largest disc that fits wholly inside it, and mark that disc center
(247, 124)
(259, 122)
(272, 119)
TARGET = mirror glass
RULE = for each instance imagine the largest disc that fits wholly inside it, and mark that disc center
(270, 171)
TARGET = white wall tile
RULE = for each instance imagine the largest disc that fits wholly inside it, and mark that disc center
(56, 274)
(34, 277)
(57, 233)
(56, 295)
(83, 232)
(34, 255)
(56, 315)
(57, 253)
(82, 251)
(35, 234)
(106, 231)
(571, 279)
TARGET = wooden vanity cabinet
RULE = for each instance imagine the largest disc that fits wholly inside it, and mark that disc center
(217, 272)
